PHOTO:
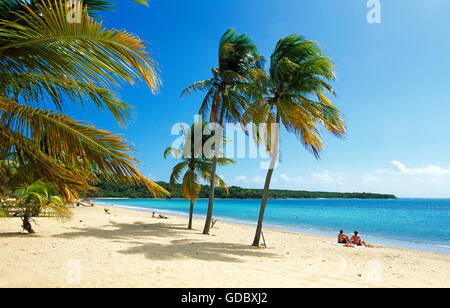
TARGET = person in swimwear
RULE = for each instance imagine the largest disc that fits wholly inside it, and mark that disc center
(356, 240)
(343, 239)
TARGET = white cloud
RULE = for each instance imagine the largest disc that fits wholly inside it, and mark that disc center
(369, 178)
(241, 178)
(291, 180)
(319, 180)
(430, 170)
(405, 181)
(396, 178)
(258, 179)
(326, 177)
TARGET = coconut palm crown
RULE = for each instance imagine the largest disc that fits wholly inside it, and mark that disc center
(46, 61)
(294, 95)
(196, 168)
(224, 96)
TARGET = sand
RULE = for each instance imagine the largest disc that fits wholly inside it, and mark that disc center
(130, 249)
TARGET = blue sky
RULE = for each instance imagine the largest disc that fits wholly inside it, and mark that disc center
(392, 88)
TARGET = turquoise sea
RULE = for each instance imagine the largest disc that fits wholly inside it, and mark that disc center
(421, 224)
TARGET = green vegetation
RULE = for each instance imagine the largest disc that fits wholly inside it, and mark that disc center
(293, 94)
(48, 159)
(33, 200)
(226, 98)
(195, 168)
(47, 61)
(108, 190)
(213, 223)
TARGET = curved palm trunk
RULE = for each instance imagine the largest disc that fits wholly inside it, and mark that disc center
(191, 214)
(265, 197)
(212, 188)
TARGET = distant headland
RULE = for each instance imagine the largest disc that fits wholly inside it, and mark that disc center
(109, 190)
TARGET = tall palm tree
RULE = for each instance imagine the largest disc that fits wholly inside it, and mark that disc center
(197, 169)
(45, 61)
(224, 98)
(293, 94)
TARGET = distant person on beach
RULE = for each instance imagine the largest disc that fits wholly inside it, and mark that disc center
(356, 240)
(159, 216)
(343, 239)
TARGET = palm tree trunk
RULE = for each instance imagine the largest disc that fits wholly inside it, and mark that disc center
(26, 223)
(191, 214)
(212, 188)
(275, 155)
(211, 198)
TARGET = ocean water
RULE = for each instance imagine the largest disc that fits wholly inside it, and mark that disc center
(421, 224)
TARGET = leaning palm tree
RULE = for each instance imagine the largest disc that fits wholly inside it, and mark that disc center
(224, 99)
(299, 72)
(197, 167)
(45, 60)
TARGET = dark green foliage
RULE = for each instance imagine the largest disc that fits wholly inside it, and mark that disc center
(108, 190)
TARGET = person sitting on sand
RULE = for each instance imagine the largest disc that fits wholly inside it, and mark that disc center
(356, 240)
(154, 215)
(343, 239)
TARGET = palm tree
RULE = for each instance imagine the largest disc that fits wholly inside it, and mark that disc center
(299, 72)
(32, 199)
(224, 99)
(46, 59)
(197, 168)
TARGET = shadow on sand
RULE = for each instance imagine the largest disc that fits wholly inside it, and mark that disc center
(18, 235)
(176, 249)
(189, 249)
(118, 231)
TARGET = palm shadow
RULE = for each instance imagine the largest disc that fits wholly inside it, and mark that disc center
(176, 249)
(206, 251)
(122, 231)
(17, 235)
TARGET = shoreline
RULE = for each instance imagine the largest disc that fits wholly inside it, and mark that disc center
(112, 198)
(375, 240)
(128, 248)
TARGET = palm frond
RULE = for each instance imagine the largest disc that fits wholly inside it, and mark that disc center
(21, 148)
(225, 161)
(200, 86)
(237, 57)
(204, 169)
(45, 41)
(33, 89)
(190, 187)
(176, 153)
(176, 174)
(77, 146)
(299, 69)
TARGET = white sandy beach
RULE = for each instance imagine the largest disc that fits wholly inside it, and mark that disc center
(130, 249)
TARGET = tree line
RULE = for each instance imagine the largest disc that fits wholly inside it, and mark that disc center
(111, 190)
